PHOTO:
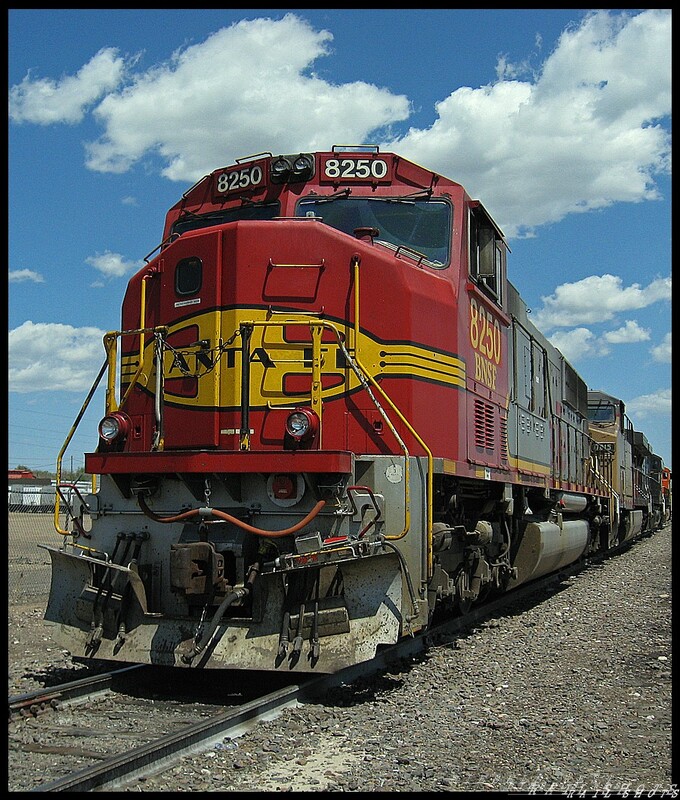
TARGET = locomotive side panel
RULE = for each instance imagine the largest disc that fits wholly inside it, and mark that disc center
(530, 426)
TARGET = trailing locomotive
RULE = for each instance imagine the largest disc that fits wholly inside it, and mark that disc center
(638, 481)
(332, 417)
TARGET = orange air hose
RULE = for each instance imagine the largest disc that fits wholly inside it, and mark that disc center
(228, 517)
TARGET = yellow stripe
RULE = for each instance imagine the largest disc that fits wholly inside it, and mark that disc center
(273, 359)
(522, 465)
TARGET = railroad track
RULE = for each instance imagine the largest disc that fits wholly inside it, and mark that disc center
(33, 704)
(103, 714)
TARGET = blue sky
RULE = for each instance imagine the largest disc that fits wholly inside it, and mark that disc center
(559, 121)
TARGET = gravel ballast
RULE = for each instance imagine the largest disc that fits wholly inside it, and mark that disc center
(569, 691)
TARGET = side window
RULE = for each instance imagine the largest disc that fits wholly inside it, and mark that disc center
(487, 254)
(188, 275)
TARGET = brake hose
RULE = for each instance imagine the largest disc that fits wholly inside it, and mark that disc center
(236, 594)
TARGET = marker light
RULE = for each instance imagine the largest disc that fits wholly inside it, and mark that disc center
(302, 424)
(114, 427)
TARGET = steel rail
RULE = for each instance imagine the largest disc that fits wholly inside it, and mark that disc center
(40, 700)
(126, 766)
(122, 768)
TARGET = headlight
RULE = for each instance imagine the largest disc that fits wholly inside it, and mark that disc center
(302, 424)
(114, 427)
(303, 167)
(279, 170)
(283, 169)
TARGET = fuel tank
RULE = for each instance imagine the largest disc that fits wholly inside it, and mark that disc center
(546, 547)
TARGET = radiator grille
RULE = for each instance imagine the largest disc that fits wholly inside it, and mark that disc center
(484, 425)
(504, 437)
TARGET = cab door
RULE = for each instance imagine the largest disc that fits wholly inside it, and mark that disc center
(189, 306)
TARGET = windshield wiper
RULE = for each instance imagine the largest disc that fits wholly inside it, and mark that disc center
(246, 201)
(406, 198)
(329, 199)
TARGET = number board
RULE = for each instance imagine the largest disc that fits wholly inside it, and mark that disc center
(239, 179)
(352, 169)
(604, 449)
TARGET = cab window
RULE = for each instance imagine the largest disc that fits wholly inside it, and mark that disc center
(602, 412)
(188, 275)
(487, 253)
(191, 222)
(419, 224)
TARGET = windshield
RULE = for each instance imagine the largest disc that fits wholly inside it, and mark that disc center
(422, 225)
(601, 413)
(190, 221)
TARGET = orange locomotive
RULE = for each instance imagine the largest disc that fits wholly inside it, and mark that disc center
(333, 417)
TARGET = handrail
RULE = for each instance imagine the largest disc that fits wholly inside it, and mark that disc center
(321, 266)
(77, 521)
(83, 408)
(109, 342)
(614, 513)
(430, 460)
(110, 346)
(364, 378)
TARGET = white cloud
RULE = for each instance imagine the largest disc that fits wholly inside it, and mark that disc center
(53, 357)
(577, 344)
(597, 298)
(19, 275)
(582, 135)
(113, 265)
(630, 332)
(580, 343)
(45, 102)
(663, 351)
(235, 94)
(650, 405)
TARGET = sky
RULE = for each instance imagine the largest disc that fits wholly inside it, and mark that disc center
(558, 120)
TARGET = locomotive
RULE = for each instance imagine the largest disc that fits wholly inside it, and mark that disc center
(329, 418)
(635, 473)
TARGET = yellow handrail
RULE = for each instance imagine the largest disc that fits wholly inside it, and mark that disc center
(365, 376)
(317, 386)
(57, 526)
(430, 458)
(110, 346)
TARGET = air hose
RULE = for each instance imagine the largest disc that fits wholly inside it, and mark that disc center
(236, 594)
(214, 512)
(232, 597)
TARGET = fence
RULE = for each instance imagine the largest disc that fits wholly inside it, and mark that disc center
(29, 571)
(31, 522)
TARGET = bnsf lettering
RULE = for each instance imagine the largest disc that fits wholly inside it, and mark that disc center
(485, 338)
(485, 371)
(239, 179)
(355, 168)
